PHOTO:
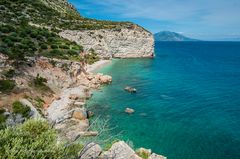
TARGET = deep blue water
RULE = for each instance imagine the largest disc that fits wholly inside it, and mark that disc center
(188, 100)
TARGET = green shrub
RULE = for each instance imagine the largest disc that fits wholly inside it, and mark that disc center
(92, 57)
(44, 46)
(39, 81)
(19, 108)
(64, 47)
(35, 139)
(143, 155)
(54, 46)
(9, 73)
(7, 85)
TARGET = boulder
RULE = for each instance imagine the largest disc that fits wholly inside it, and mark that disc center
(155, 156)
(90, 114)
(88, 133)
(119, 150)
(34, 112)
(90, 151)
(80, 114)
(129, 110)
(105, 79)
(130, 89)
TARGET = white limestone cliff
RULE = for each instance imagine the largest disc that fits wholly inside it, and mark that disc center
(119, 43)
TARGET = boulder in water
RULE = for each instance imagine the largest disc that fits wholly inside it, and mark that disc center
(129, 110)
(130, 89)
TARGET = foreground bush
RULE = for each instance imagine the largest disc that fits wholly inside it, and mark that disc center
(34, 139)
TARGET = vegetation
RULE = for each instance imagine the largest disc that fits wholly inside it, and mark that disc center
(40, 83)
(19, 108)
(143, 154)
(3, 118)
(20, 41)
(57, 15)
(9, 73)
(6, 85)
(35, 139)
(91, 57)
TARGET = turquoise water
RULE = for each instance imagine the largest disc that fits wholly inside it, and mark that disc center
(188, 100)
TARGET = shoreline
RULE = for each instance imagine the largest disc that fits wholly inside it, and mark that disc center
(98, 65)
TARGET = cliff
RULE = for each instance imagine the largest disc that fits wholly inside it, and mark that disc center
(121, 43)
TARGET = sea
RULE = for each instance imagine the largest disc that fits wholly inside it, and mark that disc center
(187, 104)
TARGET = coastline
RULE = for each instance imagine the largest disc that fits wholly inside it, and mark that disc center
(68, 111)
(97, 65)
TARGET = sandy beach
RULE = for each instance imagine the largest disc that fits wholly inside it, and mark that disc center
(98, 65)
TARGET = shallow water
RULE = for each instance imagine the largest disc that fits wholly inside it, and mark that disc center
(188, 100)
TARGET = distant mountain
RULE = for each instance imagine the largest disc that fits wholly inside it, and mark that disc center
(171, 36)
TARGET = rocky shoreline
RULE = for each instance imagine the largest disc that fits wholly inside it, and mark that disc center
(72, 85)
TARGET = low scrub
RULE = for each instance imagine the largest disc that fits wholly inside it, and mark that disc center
(6, 85)
(35, 139)
(19, 108)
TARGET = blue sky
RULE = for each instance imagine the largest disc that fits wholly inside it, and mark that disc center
(202, 19)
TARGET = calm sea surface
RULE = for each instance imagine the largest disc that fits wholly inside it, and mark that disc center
(188, 100)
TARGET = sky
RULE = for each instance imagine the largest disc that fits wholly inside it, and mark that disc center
(200, 19)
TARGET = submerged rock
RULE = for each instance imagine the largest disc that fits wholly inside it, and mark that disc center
(129, 110)
(130, 89)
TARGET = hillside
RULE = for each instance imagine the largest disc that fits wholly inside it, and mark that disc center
(171, 36)
(40, 22)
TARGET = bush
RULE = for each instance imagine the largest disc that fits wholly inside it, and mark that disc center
(54, 46)
(9, 73)
(6, 85)
(44, 46)
(39, 81)
(64, 47)
(35, 139)
(19, 108)
(92, 57)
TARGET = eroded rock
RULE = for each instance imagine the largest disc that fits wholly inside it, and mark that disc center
(90, 151)
(119, 150)
(155, 156)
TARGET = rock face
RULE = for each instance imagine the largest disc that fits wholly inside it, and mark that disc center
(119, 43)
(90, 151)
(120, 150)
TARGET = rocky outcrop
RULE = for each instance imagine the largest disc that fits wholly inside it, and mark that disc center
(119, 150)
(34, 112)
(90, 151)
(155, 156)
(120, 43)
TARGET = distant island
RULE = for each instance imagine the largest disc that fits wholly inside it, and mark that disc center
(171, 36)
